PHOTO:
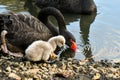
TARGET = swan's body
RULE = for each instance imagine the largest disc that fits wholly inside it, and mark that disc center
(70, 6)
(41, 50)
(24, 29)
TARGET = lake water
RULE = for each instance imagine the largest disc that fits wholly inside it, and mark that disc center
(97, 35)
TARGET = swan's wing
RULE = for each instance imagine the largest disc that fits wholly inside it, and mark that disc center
(25, 38)
(21, 20)
(23, 31)
(27, 29)
(33, 22)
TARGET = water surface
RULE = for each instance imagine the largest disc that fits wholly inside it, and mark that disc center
(96, 35)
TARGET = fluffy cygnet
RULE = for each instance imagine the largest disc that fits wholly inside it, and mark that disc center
(42, 50)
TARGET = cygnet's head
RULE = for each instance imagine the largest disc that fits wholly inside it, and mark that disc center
(60, 41)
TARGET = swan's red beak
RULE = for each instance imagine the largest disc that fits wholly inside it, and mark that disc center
(73, 45)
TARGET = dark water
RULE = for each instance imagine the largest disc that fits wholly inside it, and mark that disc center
(97, 35)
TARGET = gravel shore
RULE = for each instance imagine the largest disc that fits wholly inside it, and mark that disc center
(13, 68)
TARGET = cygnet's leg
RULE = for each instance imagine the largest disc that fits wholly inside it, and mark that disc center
(4, 46)
(53, 56)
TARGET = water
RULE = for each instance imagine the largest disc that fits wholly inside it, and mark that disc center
(96, 35)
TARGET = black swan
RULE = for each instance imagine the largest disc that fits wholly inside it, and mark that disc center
(42, 50)
(24, 29)
(69, 6)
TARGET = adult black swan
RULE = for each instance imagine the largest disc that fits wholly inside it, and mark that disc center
(24, 29)
(70, 6)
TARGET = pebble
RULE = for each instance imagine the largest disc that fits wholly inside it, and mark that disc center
(68, 69)
(8, 69)
(15, 76)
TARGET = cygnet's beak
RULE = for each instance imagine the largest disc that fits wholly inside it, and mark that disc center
(63, 48)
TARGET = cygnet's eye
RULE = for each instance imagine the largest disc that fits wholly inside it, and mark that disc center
(62, 42)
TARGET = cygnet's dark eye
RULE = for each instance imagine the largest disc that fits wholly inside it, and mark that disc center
(62, 42)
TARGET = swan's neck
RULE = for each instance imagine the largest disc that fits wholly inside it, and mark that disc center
(53, 43)
(43, 17)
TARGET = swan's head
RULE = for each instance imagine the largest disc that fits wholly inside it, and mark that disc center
(60, 41)
(70, 40)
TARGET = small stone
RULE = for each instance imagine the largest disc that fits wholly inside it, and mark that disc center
(16, 64)
(34, 71)
(45, 76)
(0, 70)
(54, 65)
(17, 69)
(45, 69)
(82, 63)
(53, 70)
(8, 69)
(36, 77)
(63, 66)
(28, 78)
(70, 59)
(35, 67)
(15, 76)
(44, 64)
(96, 76)
(14, 71)
(28, 64)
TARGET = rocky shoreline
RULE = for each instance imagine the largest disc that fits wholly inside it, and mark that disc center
(12, 68)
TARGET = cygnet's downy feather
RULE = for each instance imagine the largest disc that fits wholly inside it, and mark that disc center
(42, 50)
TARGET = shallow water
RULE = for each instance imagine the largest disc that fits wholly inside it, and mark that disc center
(96, 35)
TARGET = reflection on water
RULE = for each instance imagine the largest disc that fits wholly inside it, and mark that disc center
(96, 35)
(85, 23)
(14, 5)
(31, 7)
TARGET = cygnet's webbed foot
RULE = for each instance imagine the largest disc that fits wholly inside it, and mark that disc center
(53, 56)
(52, 59)
(4, 46)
